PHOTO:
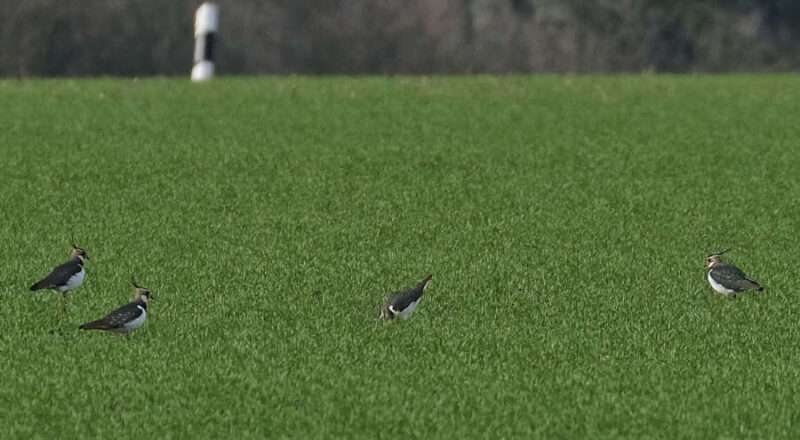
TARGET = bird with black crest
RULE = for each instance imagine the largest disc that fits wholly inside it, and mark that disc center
(402, 304)
(727, 279)
(126, 318)
(66, 277)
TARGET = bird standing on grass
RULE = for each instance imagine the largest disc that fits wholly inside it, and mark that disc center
(728, 279)
(126, 318)
(402, 304)
(66, 277)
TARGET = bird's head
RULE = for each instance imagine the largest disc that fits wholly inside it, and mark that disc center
(79, 253)
(385, 312)
(140, 293)
(714, 259)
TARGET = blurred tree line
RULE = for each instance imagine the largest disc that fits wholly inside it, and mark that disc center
(147, 37)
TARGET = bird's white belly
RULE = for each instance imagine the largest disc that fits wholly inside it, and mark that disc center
(74, 282)
(136, 323)
(406, 313)
(719, 288)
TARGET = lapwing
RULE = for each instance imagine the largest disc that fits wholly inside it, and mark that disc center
(126, 318)
(402, 304)
(66, 277)
(728, 279)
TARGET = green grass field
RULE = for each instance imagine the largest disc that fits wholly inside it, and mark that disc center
(565, 220)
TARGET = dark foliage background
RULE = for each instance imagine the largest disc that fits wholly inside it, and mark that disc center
(149, 37)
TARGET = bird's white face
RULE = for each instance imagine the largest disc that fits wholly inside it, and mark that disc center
(143, 294)
(79, 253)
(712, 261)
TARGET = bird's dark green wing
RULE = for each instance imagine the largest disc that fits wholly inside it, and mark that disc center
(117, 318)
(399, 301)
(59, 276)
(733, 278)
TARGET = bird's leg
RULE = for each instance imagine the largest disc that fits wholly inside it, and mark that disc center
(64, 303)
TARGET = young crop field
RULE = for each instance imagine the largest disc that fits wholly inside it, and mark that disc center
(565, 220)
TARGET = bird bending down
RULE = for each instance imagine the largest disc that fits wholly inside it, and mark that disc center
(402, 304)
(66, 277)
(126, 318)
(728, 279)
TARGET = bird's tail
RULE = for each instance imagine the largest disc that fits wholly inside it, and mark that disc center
(39, 285)
(94, 325)
(424, 283)
(758, 287)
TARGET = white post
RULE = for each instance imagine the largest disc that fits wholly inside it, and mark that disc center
(206, 23)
